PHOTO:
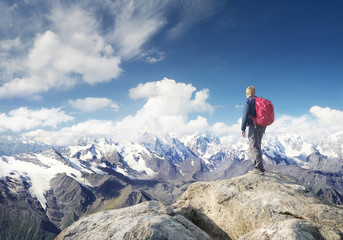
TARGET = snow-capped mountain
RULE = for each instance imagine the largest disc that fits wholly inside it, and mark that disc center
(37, 169)
(288, 150)
(136, 160)
(332, 146)
(166, 146)
(152, 155)
(93, 172)
(204, 145)
(14, 147)
(127, 158)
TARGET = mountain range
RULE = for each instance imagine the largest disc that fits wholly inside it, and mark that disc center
(44, 189)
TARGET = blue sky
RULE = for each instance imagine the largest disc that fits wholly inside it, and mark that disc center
(115, 68)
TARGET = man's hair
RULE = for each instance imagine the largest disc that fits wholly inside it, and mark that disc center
(251, 91)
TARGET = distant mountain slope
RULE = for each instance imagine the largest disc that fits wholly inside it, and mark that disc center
(61, 185)
(9, 148)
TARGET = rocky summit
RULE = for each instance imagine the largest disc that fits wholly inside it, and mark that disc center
(269, 206)
(148, 220)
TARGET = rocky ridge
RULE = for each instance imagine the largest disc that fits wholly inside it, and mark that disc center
(149, 220)
(272, 206)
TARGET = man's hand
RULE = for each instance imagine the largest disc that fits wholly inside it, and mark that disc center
(243, 133)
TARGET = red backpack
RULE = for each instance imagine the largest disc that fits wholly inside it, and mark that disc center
(264, 112)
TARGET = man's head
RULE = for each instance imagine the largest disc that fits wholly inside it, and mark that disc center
(250, 91)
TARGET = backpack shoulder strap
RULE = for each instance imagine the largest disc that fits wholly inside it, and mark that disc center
(253, 119)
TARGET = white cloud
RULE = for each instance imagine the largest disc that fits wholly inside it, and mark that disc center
(320, 123)
(135, 23)
(67, 135)
(26, 119)
(66, 44)
(10, 44)
(315, 126)
(328, 117)
(91, 104)
(14, 21)
(154, 56)
(199, 103)
(166, 97)
(197, 125)
(166, 110)
(191, 13)
(228, 135)
(76, 52)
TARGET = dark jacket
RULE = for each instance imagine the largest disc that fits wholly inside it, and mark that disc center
(248, 109)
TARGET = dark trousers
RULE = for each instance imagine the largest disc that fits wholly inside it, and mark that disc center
(255, 138)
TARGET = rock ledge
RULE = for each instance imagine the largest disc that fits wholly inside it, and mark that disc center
(271, 206)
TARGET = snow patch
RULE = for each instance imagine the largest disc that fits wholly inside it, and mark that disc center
(39, 176)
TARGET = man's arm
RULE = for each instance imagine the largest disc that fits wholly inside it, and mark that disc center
(245, 116)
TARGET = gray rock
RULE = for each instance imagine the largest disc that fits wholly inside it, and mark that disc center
(21, 215)
(259, 205)
(293, 229)
(328, 186)
(148, 220)
(67, 200)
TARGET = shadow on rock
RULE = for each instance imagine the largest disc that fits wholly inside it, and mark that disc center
(204, 223)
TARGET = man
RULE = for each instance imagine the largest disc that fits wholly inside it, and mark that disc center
(255, 133)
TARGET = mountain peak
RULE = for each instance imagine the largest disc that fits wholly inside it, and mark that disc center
(84, 141)
(166, 146)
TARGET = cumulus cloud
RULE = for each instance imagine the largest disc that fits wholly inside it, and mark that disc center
(167, 108)
(84, 41)
(91, 104)
(315, 126)
(61, 62)
(67, 135)
(166, 111)
(71, 52)
(320, 123)
(26, 119)
(167, 97)
(328, 117)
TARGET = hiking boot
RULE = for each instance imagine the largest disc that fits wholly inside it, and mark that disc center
(257, 171)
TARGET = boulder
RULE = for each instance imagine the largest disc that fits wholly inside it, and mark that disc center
(148, 220)
(269, 206)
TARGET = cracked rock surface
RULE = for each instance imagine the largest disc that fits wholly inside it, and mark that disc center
(148, 220)
(272, 206)
(266, 206)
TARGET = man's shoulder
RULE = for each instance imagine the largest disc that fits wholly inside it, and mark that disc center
(250, 99)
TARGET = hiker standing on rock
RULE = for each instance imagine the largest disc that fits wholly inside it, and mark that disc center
(257, 114)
